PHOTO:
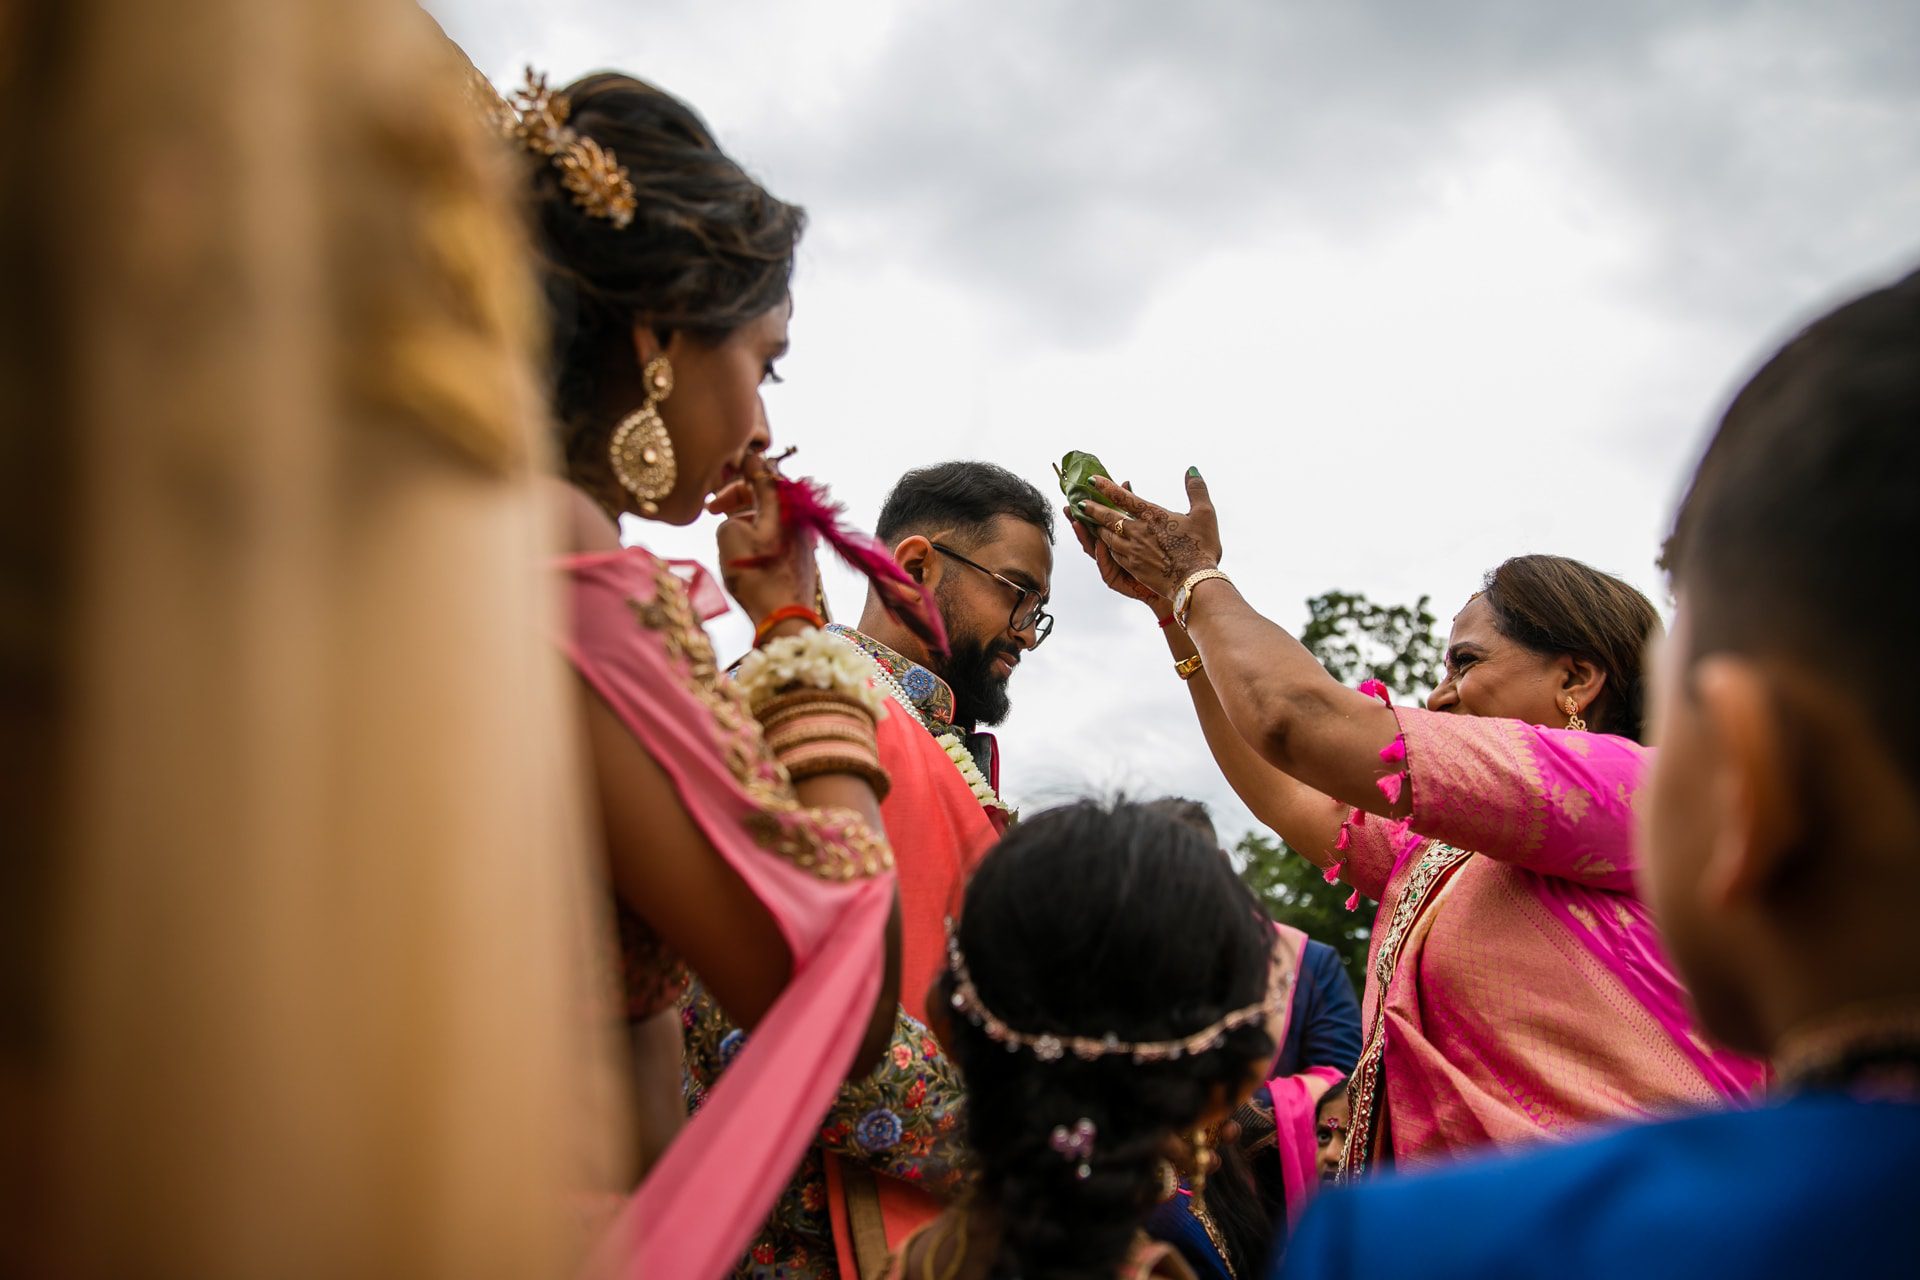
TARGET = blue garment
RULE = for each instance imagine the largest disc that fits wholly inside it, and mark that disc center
(1324, 1027)
(1821, 1185)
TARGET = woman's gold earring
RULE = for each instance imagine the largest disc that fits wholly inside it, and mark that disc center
(1572, 708)
(641, 452)
(1202, 1143)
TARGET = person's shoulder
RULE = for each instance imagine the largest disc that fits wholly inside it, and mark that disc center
(584, 527)
(1320, 954)
(1718, 1191)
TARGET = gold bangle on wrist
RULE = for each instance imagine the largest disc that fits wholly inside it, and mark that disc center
(1187, 668)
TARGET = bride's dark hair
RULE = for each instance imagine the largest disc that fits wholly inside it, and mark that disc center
(708, 249)
(1094, 920)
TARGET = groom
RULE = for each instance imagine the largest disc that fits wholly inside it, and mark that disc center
(979, 539)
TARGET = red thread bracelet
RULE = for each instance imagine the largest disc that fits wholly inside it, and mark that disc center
(785, 613)
(1166, 622)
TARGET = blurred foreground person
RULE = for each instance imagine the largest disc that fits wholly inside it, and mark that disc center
(739, 818)
(1515, 988)
(1109, 996)
(322, 915)
(1782, 858)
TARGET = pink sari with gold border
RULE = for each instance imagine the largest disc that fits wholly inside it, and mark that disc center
(1516, 989)
(636, 638)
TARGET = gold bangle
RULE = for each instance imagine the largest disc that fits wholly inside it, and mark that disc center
(810, 765)
(1186, 668)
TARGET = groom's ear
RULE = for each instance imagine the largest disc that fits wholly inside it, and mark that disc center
(915, 555)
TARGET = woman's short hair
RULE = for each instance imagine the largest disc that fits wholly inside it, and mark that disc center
(1553, 606)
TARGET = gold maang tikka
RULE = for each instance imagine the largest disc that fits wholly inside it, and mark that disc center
(641, 451)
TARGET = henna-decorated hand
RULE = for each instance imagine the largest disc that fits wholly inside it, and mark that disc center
(1156, 548)
(1117, 580)
(764, 565)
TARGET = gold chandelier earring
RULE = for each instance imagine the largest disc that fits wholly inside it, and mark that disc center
(1572, 708)
(1202, 1144)
(641, 452)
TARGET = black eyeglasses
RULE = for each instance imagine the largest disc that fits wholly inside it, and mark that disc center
(1028, 607)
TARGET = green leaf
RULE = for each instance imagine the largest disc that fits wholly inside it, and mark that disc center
(1076, 472)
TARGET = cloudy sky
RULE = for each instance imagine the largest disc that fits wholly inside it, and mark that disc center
(1416, 286)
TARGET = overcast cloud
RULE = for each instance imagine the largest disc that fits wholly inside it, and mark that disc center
(1417, 286)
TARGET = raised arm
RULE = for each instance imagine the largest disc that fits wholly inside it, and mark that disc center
(1309, 821)
(1279, 699)
(1556, 802)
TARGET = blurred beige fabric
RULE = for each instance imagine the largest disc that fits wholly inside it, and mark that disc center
(301, 979)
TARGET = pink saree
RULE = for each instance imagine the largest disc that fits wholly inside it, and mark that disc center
(1516, 989)
(636, 639)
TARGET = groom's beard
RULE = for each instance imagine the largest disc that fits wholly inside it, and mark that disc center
(979, 693)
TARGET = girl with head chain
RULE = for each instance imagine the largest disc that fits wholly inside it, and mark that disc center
(739, 818)
(1109, 993)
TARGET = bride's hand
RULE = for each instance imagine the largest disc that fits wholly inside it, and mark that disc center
(1155, 547)
(764, 566)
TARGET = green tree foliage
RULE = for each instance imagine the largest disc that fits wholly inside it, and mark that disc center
(1294, 892)
(1355, 639)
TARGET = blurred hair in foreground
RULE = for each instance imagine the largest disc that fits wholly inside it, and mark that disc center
(294, 972)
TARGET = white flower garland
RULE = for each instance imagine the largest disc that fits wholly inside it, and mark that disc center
(812, 659)
(970, 772)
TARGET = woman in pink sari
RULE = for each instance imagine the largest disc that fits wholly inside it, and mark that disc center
(1515, 987)
(739, 818)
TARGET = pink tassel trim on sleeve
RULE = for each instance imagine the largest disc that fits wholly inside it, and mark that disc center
(1353, 900)
(1376, 689)
(1394, 752)
(1390, 786)
(1331, 874)
(1344, 839)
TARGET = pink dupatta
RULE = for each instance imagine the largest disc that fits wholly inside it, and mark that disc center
(636, 639)
(1296, 1098)
(1528, 833)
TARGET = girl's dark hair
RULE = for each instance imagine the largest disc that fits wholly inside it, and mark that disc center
(708, 249)
(1089, 920)
(1554, 605)
(1336, 1092)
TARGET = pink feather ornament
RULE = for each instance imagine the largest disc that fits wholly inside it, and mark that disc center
(810, 512)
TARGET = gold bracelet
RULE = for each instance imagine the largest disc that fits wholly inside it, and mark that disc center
(803, 764)
(1187, 668)
(1183, 598)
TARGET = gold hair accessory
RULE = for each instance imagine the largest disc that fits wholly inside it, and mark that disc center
(641, 451)
(536, 118)
(1049, 1047)
(1572, 708)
